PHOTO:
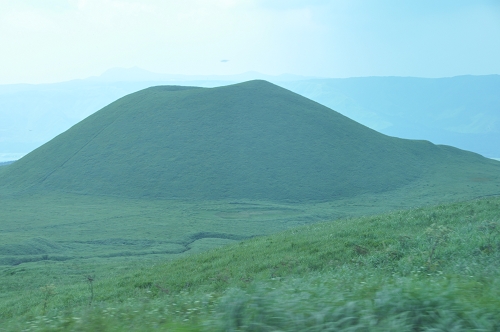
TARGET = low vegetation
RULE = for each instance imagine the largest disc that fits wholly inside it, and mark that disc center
(421, 269)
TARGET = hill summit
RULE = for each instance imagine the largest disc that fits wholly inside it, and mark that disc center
(252, 140)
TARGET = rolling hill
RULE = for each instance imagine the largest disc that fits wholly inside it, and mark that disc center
(251, 140)
(460, 111)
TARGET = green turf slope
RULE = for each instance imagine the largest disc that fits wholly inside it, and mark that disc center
(252, 140)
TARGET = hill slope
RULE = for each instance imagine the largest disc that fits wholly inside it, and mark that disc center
(252, 140)
(459, 111)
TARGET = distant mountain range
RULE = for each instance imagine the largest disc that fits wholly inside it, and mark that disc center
(460, 111)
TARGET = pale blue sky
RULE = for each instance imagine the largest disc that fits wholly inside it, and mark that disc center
(57, 40)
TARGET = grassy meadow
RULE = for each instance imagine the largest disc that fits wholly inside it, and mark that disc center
(433, 268)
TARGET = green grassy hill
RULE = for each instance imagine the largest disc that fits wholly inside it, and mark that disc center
(422, 269)
(252, 140)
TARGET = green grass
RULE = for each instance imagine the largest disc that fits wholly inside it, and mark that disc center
(409, 270)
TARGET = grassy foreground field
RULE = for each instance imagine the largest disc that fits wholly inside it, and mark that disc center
(434, 268)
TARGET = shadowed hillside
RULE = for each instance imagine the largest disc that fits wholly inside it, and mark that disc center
(251, 140)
